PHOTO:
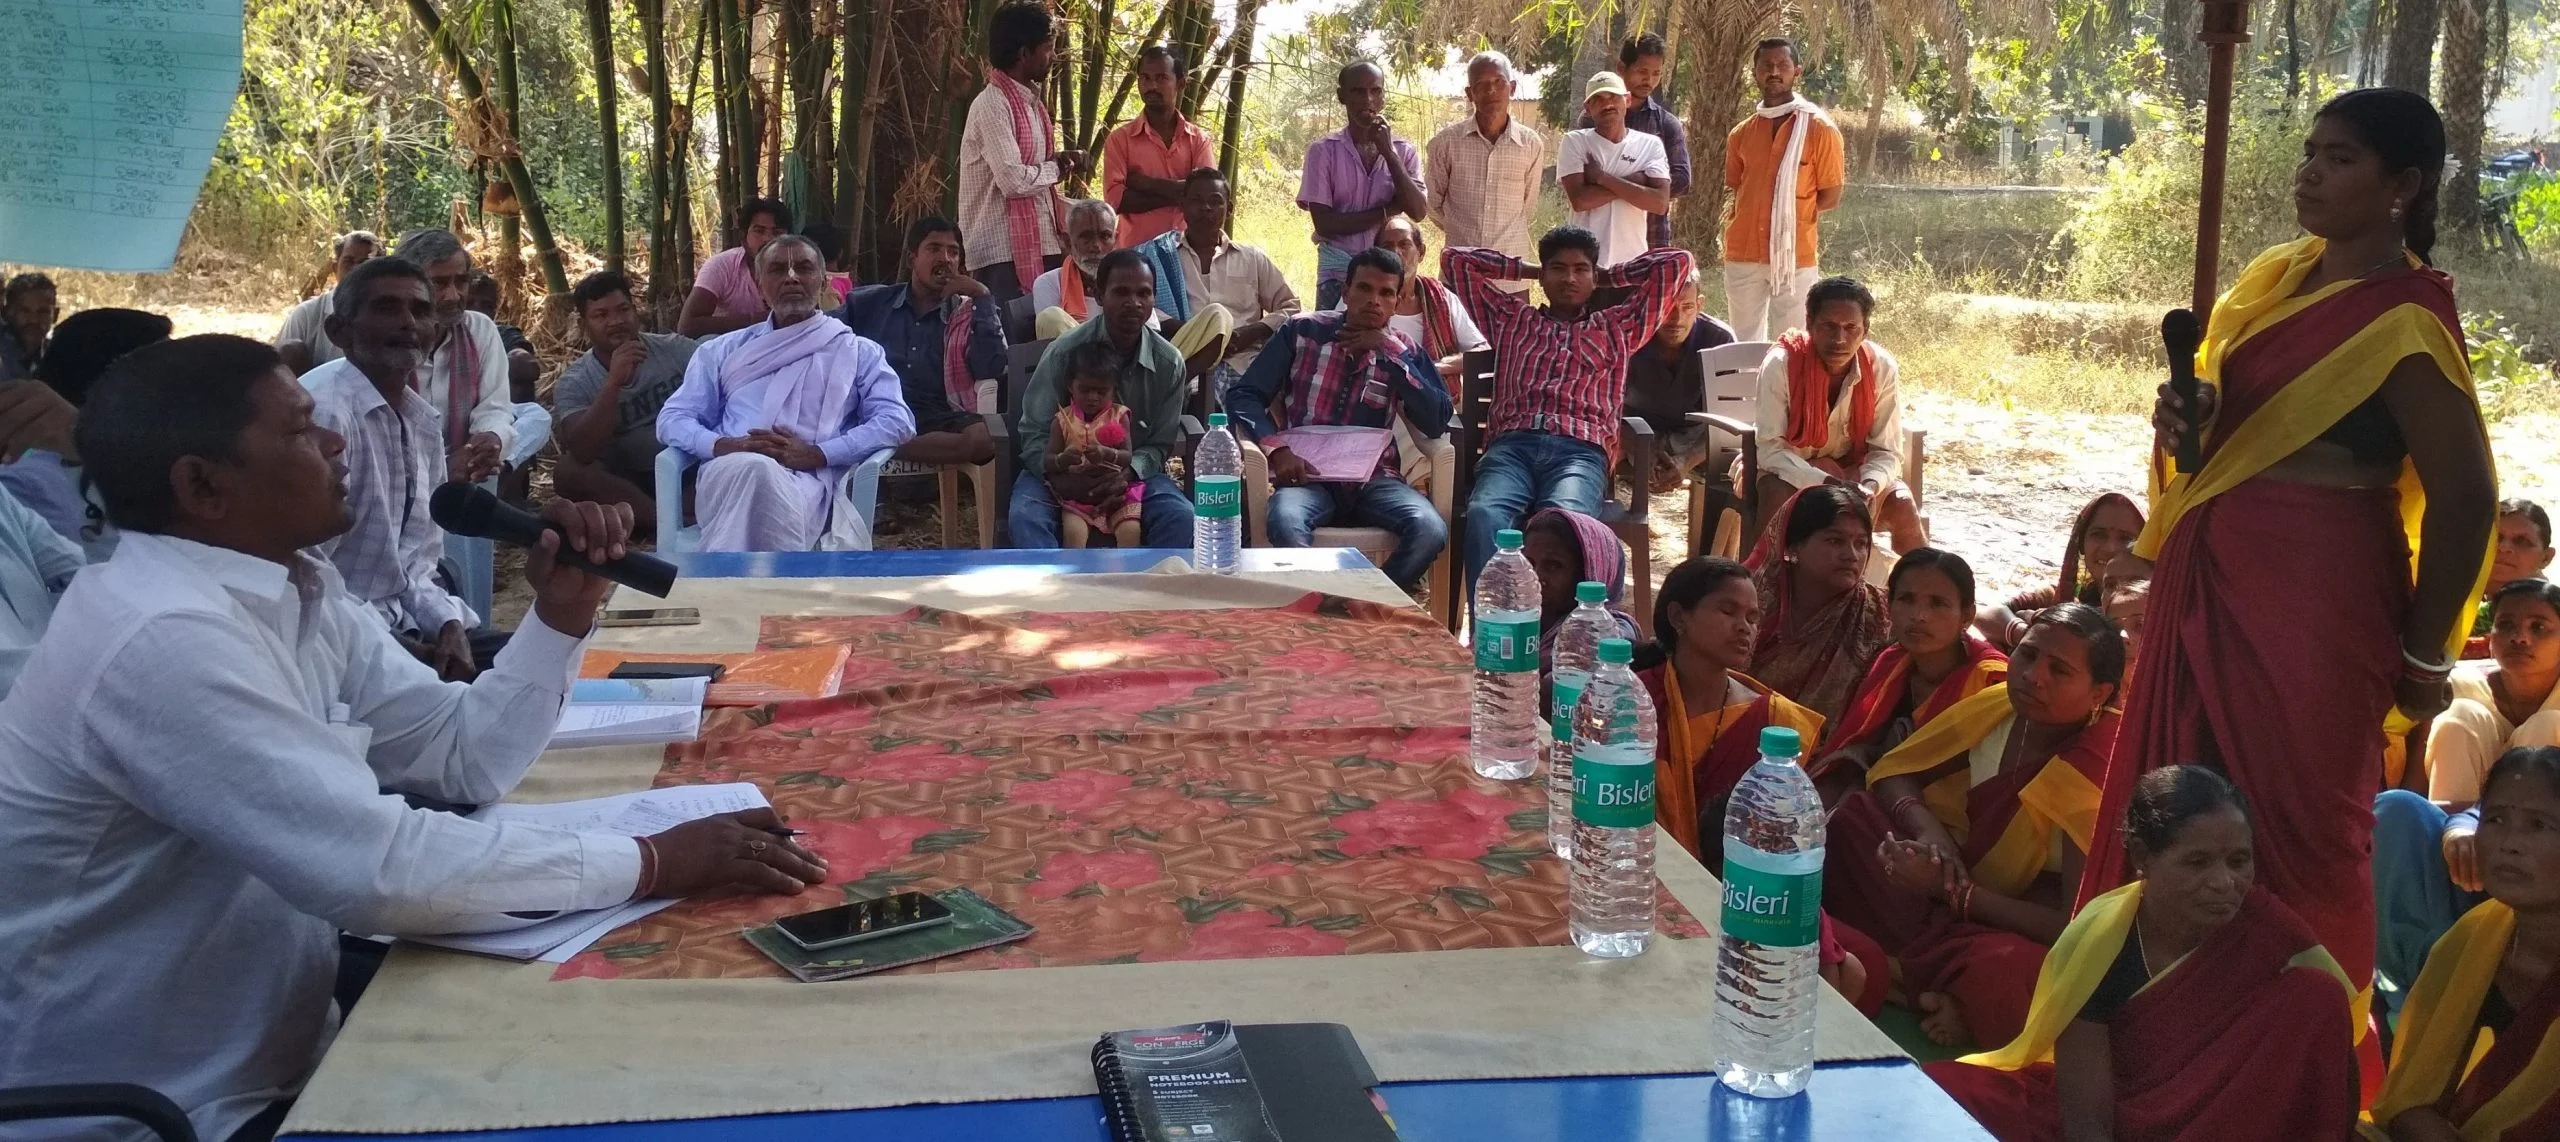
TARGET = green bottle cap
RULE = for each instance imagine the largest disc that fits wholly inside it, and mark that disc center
(1587, 591)
(1619, 650)
(1217, 420)
(1508, 539)
(1779, 741)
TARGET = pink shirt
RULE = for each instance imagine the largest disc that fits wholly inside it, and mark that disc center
(730, 279)
(1134, 146)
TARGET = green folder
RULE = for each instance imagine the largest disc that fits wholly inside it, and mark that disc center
(975, 924)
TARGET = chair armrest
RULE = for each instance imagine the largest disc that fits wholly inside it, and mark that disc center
(1444, 475)
(1191, 434)
(1007, 464)
(1257, 492)
(672, 463)
(862, 483)
(99, 1100)
(1723, 423)
(1635, 438)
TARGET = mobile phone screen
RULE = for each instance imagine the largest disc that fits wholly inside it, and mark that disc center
(863, 920)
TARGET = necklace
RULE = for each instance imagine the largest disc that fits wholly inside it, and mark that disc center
(2399, 258)
(2141, 949)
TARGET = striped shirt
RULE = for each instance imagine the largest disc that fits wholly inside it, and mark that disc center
(394, 459)
(1563, 377)
(1304, 376)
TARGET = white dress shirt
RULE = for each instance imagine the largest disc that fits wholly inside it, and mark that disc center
(991, 170)
(36, 563)
(495, 412)
(395, 458)
(1779, 458)
(191, 808)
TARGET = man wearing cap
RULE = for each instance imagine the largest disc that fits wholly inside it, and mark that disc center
(1612, 176)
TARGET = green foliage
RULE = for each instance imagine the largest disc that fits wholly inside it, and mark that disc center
(2135, 239)
(2537, 208)
(2503, 370)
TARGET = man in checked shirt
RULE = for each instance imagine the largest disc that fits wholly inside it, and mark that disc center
(1560, 372)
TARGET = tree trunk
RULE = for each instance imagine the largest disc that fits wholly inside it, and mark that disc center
(865, 35)
(510, 231)
(1726, 31)
(663, 157)
(2410, 62)
(1097, 57)
(1239, 65)
(724, 177)
(2466, 109)
(1129, 78)
(518, 178)
(608, 125)
(2186, 58)
(738, 98)
(811, 56)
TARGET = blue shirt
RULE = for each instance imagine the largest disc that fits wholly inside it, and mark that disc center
(913, 341)
(36, 564)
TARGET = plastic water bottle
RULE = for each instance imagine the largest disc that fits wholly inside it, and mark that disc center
(1217, 500)
(1502, 732)
(1767, 970)
(1577, 651)
(1609, 882)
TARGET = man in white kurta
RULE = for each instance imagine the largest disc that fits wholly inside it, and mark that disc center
(779, 412)
(199, 767)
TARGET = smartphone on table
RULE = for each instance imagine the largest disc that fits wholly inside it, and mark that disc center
(657, 670)
(863, 920)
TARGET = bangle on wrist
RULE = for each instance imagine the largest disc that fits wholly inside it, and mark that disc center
(1907, 800)
(2413, 666)
(648, 869)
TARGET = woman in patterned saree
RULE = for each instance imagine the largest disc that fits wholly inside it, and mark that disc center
(1824, 621)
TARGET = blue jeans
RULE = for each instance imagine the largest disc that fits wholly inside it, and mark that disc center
(1523, 471)
(1164, 516)
(1328, 295)
(2414, 897)
(1387, 502)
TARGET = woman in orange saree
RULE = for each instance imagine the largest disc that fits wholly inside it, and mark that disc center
(1711, 715)
(1825, 621)
(2478, 1054)
(1934, 661)
(1961, 855)
(2188, 1006)
(2341, 440)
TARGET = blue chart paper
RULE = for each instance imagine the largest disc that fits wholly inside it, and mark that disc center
(113, 110)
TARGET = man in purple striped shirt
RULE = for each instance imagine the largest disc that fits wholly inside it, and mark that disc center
(1560, 372)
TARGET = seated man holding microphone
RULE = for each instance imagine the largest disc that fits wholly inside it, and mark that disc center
(204, 755)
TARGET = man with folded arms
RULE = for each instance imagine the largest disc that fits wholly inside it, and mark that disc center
(779, 412)
(205, 755)
(1348, 368)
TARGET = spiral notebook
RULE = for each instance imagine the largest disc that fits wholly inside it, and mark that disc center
(1217, 1082)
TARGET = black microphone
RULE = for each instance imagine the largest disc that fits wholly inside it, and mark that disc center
(2180, 335)
(469, 509)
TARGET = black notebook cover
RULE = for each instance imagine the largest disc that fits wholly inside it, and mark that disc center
(1213, 1082)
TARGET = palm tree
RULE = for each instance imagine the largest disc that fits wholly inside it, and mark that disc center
(2407, 63)
(2466, 107)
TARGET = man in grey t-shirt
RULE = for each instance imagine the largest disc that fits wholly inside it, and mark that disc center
(606, 402)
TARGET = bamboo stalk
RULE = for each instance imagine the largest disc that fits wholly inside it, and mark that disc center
(518, 178)
(609, 125)
(1233, 134)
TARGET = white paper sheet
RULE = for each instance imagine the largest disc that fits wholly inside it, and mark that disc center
(1336, 453)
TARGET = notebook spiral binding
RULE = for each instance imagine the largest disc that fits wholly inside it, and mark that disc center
(1119, 1106)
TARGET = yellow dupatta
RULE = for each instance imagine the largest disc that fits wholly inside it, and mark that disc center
(2059, 795)
(2437, 1044)
(2079, 961)
(1675, 807)
(2312, 402)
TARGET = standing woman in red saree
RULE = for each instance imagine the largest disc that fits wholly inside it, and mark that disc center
(1961, 856)
(2341, 443)
(1825, 621)
(1934, 661)
(2188, 1006)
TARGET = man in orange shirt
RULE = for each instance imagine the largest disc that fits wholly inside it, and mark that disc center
(1788, 152)
(1145, 159)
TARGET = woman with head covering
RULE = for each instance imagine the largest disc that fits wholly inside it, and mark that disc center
(2190, 1004)
(1962, 854)
(1824, 621)
(1567, 548)
(2105, 528)
(1933, 662)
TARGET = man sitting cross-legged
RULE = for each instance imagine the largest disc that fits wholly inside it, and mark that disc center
(1348, 368)
(1560, 373)
(386, 553)
(942, 333)
(1150, 384)
(1831, 412)
(207, 752)
(607, 400)
(779, 412)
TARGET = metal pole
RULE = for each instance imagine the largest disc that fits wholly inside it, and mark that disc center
(2225, 28)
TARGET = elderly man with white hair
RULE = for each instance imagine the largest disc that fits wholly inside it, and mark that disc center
(1064, 297)
(779, 411)
(1483, 170)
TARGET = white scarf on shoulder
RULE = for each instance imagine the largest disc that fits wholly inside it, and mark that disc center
(1782, 197)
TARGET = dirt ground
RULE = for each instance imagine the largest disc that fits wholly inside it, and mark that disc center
(2000, 487)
